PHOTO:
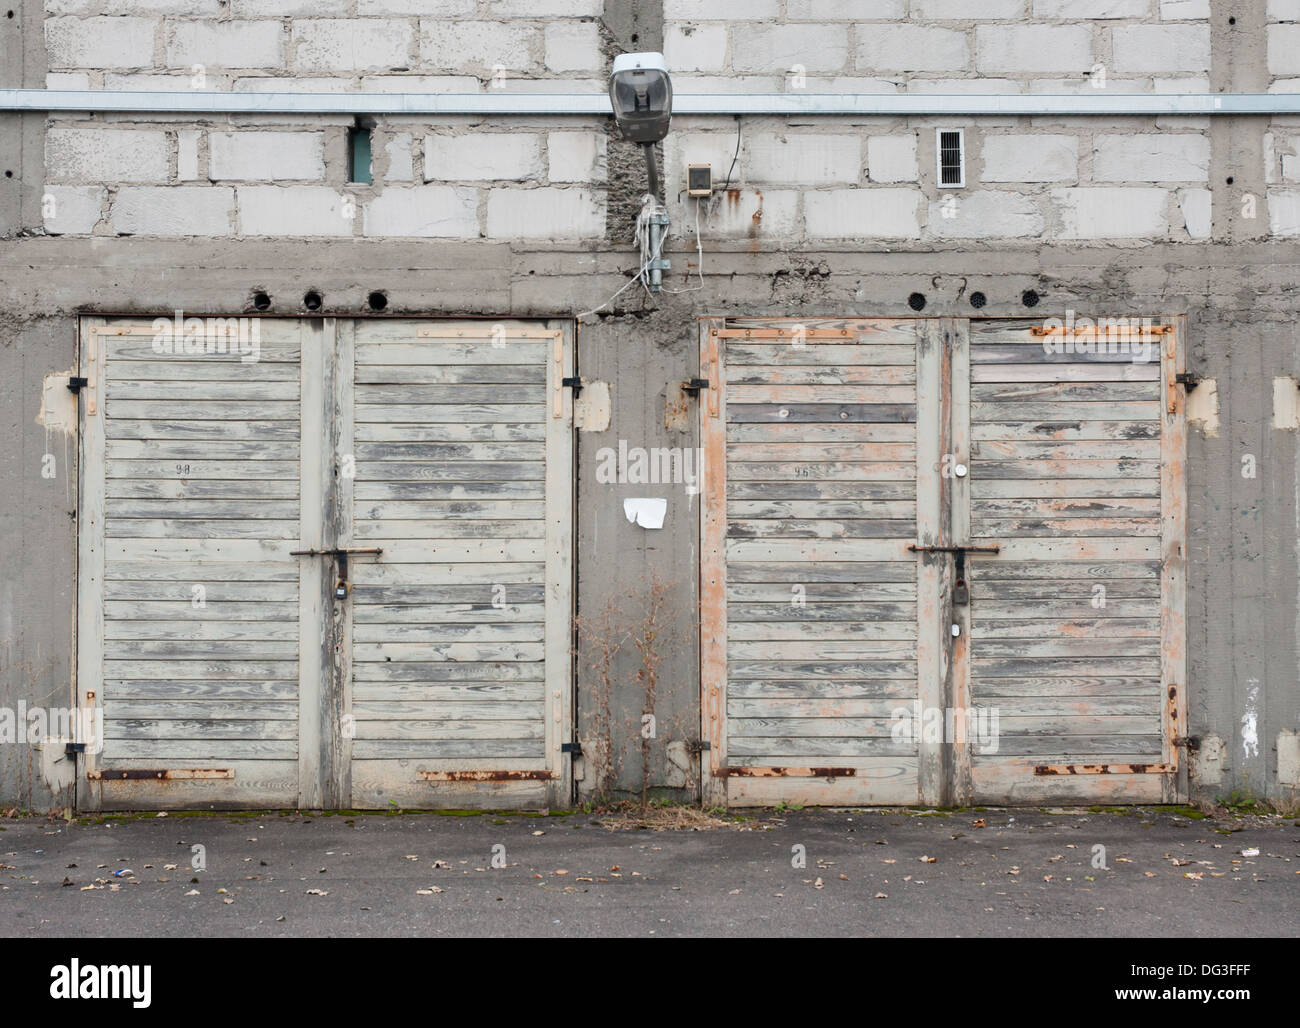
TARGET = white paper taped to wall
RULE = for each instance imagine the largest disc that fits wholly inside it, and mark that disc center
(648, 512)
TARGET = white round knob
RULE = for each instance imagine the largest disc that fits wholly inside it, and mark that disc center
(960, 471)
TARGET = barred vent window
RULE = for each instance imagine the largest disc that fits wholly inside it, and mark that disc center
(952, 159)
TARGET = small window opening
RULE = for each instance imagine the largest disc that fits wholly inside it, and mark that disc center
(359, 155)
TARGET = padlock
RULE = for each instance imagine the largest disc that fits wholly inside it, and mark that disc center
(341, 590)
(961, 593)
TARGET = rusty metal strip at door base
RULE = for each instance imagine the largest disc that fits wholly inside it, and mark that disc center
(169, 774)
(1105, 769)
(486, 776)
(786, 772)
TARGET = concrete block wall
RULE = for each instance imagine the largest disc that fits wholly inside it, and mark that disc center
(996, 46)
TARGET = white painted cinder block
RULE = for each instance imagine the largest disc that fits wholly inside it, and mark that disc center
(575, 156)
(477, 47)
(775, 49)
(100, 42)
(1030, 158)
(892, 158)
(1284, 49)
(808, 159)
(1196, 207)
(107, 154)
(1149, 48)
(350, 44)
(424, 211)
(886, 213)
(187, 154)
(1184, 10)
(266, 156)
(381, 8)
(1284, 212)
(192, 8)
(1284, 10)
(1033, 48)
(954, 10)
(72, 210)
(573, 46)
(1112, 212)
(846, 10)
(1100, 9)
(911, 48)
(739, 214)
(986, 214)
(401, 164)
(293, 211)
(542, 8)
(545, 214)
(67, 80)
(173, 211)
(722, 10)
(695, 47)
(1149, 157)
(226, 44)
(483, 156)
(285, 8)
(716, 149)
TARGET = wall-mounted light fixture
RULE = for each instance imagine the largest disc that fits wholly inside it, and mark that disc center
(641, 94)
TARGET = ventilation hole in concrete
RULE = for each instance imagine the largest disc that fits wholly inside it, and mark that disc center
(1232, 21)
(1229, 180)
(978, 300)
(9, 14)
(635, 37)
(312, 300)
(377, 301)
(262, 301)
(916, 301)
(1029, 298)
(8, 173)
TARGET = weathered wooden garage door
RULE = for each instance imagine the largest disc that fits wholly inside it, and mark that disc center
(462, 629)
(903, 536)
(237, 664)
(1076, 474)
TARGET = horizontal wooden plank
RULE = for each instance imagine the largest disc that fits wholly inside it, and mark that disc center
(456, 413)
(438, 634)
(144, 529)
(179, 464)
(811, 610)
(987, 627)
(794, 451)
(375, 531)
(449, 374)
(199, 730)
(1087, 450)
(434, 614)
(802, 528)
(884, 510)
(1091, 371)
(1064, 690)
(821, 489)
(823, 668)
(450, 510)
(839, 471)
(1124, 467)
(199, 390)
(206, 709)
(422, 749)
(469, 451)
(201, 669)
(466, 712)
(446, 651)
(1057, 606)
(1022, 666)
(850, 571)
(777, 355)
(235, 455)
(184, 609)
(804, 433)
(1076, 488)
(442, 595)
(377, 697)
(200, 489)
(739, 728)
(207, 432)
(168, 579)
(369, 432)
(840, 375)
(208, 631)
(776, 710)
(1064, 431)
(816, 594)
(1107, 645)
(1062, 392)
(1063, 410)
(853, 631)
(451, 471)
(818, 751)
(435, 673)
(813, 413)
(201, 551)
(446, 574)
(200, 651)
(1066, 709)
(423, 393)
(197, 690)
(766, 550)
(203, 410)
(180, 371)
(205, 509)
(832, 394)
(1033, 527)
(1081, 749)
(1050, 353)
(426, 490)
(1078, 549)
(436, 731)
(468, 351)
(193, 752)
(821, 690)
(1066, 507)
(840, 650)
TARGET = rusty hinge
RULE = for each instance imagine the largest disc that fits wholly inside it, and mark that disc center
(76, 383)
(694, 385)
(571, 747)
(575, 383)
(71, 749)
(698, 746)
(1189, 379)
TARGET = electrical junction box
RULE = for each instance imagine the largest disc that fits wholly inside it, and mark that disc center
(699, 180)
